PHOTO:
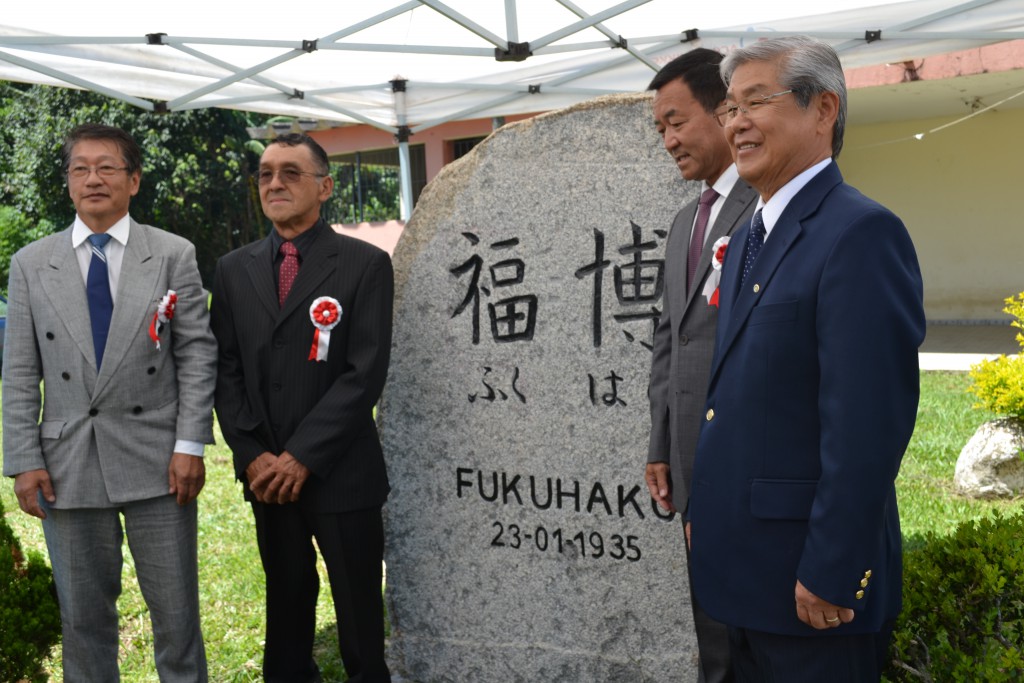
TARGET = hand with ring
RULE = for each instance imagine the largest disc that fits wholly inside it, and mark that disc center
(817, 612)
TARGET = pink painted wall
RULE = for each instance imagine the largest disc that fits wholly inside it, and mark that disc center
(361, 138)
(987, 59)
(384, 235)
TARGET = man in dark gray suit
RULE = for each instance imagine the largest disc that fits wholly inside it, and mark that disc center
(303, 319)
(111, 316)
(687, 92)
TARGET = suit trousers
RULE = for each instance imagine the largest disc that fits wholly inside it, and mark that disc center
(85, 551)
(771, 658)
(352, 545)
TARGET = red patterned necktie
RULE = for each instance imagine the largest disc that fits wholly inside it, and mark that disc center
(289, 269)
(707, 200)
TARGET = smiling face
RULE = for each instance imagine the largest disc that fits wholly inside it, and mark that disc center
(779, 140)
(292, 207)
(101, 201)
(690, 134)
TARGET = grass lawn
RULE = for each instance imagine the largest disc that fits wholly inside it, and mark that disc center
(230, 582)
(231, 578)
(945, 422)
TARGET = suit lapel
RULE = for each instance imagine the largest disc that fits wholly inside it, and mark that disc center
(65, 289)
(261, 275)
(682, 247)
(741, 197)
(734, 314)
(136, 297)
(784, 234)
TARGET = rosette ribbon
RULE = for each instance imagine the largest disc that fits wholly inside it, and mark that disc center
(325, 313)
(164, 314)
(717, 259)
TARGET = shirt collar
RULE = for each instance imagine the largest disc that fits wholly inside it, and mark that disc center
(723, 186)
(772, 211)
(118, 231)
(302, 243)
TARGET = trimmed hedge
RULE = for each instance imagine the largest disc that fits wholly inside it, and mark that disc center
(29, 615)
(963, 606)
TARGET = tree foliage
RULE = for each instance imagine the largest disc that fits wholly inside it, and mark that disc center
(197, 179)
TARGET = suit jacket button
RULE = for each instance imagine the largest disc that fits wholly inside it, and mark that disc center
(136, 410)
(757, 288)
(65, 376)
(867, 574)
(49, 335)
(276, 386)
(278, 343)
(859, 595)
(684, 340)
(710, 414)
(863, 583)
(93, 412)
(150, 370)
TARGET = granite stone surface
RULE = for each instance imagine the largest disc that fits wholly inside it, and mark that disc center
(522, 544)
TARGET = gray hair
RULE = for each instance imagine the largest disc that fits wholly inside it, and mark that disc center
(806, 66)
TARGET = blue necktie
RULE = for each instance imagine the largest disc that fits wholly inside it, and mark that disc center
(755, 240)
(97, 289)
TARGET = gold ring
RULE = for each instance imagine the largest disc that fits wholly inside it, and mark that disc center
(832, 621)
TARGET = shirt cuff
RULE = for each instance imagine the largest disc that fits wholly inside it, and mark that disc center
(189, 447)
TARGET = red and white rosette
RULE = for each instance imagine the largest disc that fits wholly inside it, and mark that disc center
(717, 259)
(325, 313)
(164, 314)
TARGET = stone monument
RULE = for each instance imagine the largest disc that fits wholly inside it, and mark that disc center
(522, 544)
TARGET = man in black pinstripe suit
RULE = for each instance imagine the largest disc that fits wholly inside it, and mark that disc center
(302, 361)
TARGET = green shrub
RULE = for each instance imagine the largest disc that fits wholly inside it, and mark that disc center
(999, 384)
(29, 615)
(963, 606)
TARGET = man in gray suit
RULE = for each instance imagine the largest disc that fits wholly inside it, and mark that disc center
(110, 315)
(687, 91)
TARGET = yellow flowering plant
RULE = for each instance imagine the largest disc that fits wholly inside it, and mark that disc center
(999, 384)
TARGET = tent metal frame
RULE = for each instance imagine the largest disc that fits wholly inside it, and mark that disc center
(222, 80)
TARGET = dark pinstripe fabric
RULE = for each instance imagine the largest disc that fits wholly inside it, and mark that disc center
(271, 398)
(771, 658)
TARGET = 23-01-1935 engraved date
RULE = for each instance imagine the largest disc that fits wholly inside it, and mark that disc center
(591, 545)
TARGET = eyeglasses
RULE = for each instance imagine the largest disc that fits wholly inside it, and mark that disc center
(81, 172)
(288, 176)
(725, 115)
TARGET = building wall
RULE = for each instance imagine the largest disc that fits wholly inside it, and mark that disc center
(360, 138)
(959, 191)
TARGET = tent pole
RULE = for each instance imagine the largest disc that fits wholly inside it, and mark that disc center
(402, 136)
(405, 178)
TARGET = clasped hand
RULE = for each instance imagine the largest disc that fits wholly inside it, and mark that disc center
(276, 479)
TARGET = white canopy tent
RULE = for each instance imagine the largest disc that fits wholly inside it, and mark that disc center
(424, 62)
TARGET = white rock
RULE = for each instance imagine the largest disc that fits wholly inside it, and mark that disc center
(991, 465)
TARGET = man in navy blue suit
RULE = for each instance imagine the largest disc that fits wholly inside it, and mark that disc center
(794, 529)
